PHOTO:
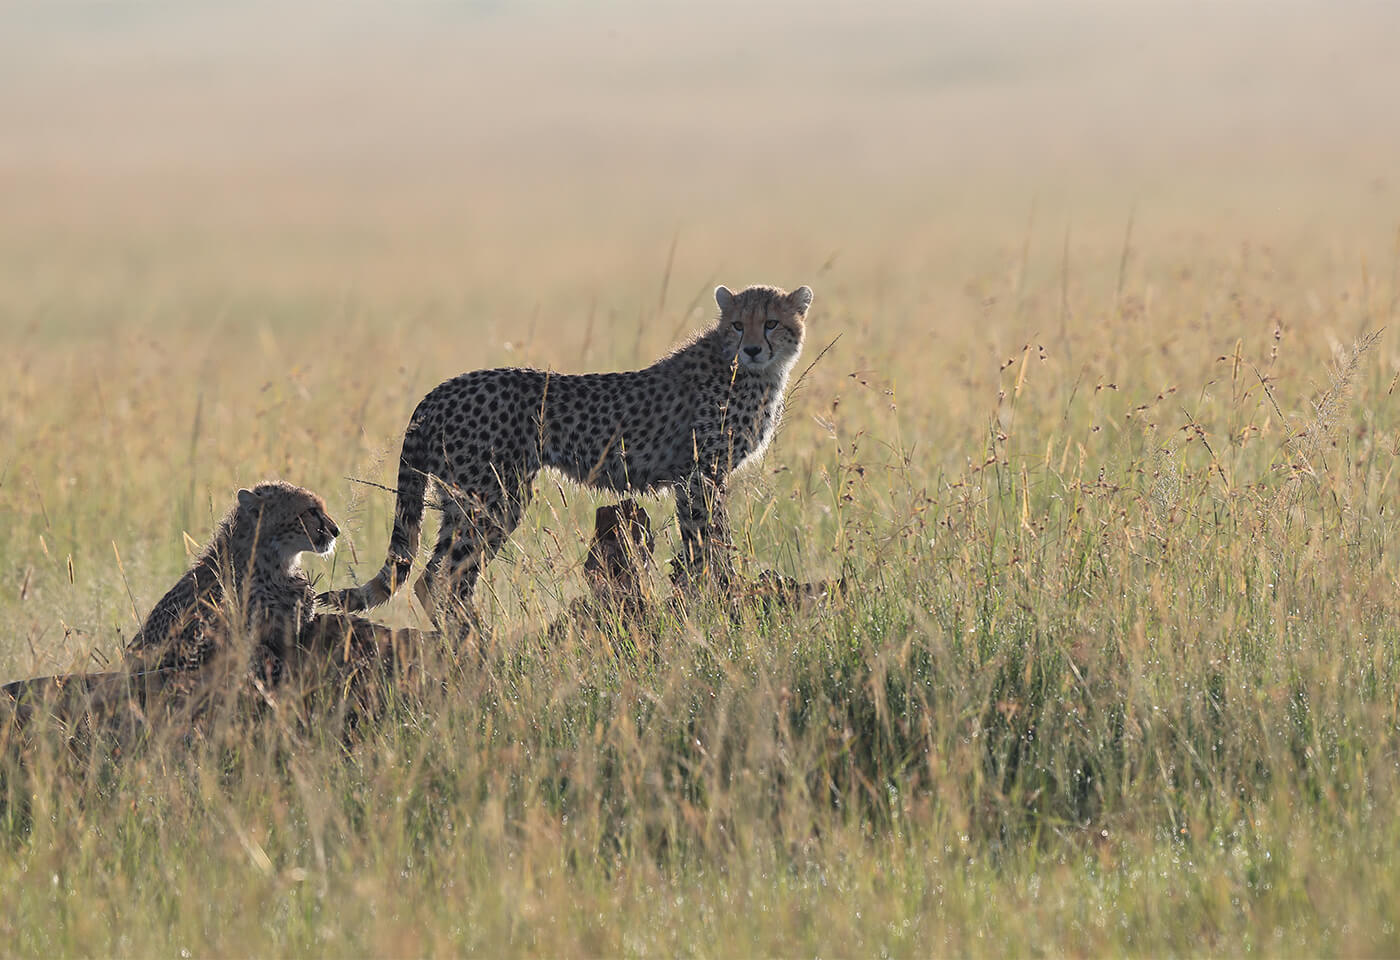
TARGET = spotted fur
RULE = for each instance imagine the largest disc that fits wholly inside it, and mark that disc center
(685, 423)
(247, 584)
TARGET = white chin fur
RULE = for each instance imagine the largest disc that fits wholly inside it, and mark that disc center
(294, 561)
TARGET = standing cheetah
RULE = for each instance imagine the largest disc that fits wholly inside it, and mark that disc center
(685, 423)
(247, 584)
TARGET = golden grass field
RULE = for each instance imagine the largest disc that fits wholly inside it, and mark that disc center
(1103, 440)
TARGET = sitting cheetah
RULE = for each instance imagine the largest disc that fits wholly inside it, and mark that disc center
(619, 555)
(617, 567)
(246, 585)
(685, 423)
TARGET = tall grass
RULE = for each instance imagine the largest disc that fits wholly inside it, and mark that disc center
(1103, 447)
(1118, 669)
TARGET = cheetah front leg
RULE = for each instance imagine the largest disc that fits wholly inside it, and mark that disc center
(705, 539)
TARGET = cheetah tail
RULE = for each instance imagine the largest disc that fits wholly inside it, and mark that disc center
(403, 543)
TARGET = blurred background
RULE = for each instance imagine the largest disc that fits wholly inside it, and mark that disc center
(240, 240)
(474, 140)
(1094, 429)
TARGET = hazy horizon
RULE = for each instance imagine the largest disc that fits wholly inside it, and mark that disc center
(191, 113)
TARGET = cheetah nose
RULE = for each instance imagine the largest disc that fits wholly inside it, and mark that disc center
(753, 351)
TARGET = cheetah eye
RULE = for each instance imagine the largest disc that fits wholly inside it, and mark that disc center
(771, 324)
(738, 325)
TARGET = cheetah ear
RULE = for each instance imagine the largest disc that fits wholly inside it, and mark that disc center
(247, 498)
(801, 299)
(724, 297)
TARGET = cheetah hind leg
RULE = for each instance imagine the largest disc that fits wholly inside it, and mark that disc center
(444, 583)
(467, 540)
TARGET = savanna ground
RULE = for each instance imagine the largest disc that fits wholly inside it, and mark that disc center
(1105, 444)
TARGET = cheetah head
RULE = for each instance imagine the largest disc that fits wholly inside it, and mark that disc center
(762, 327)
(286, 520)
